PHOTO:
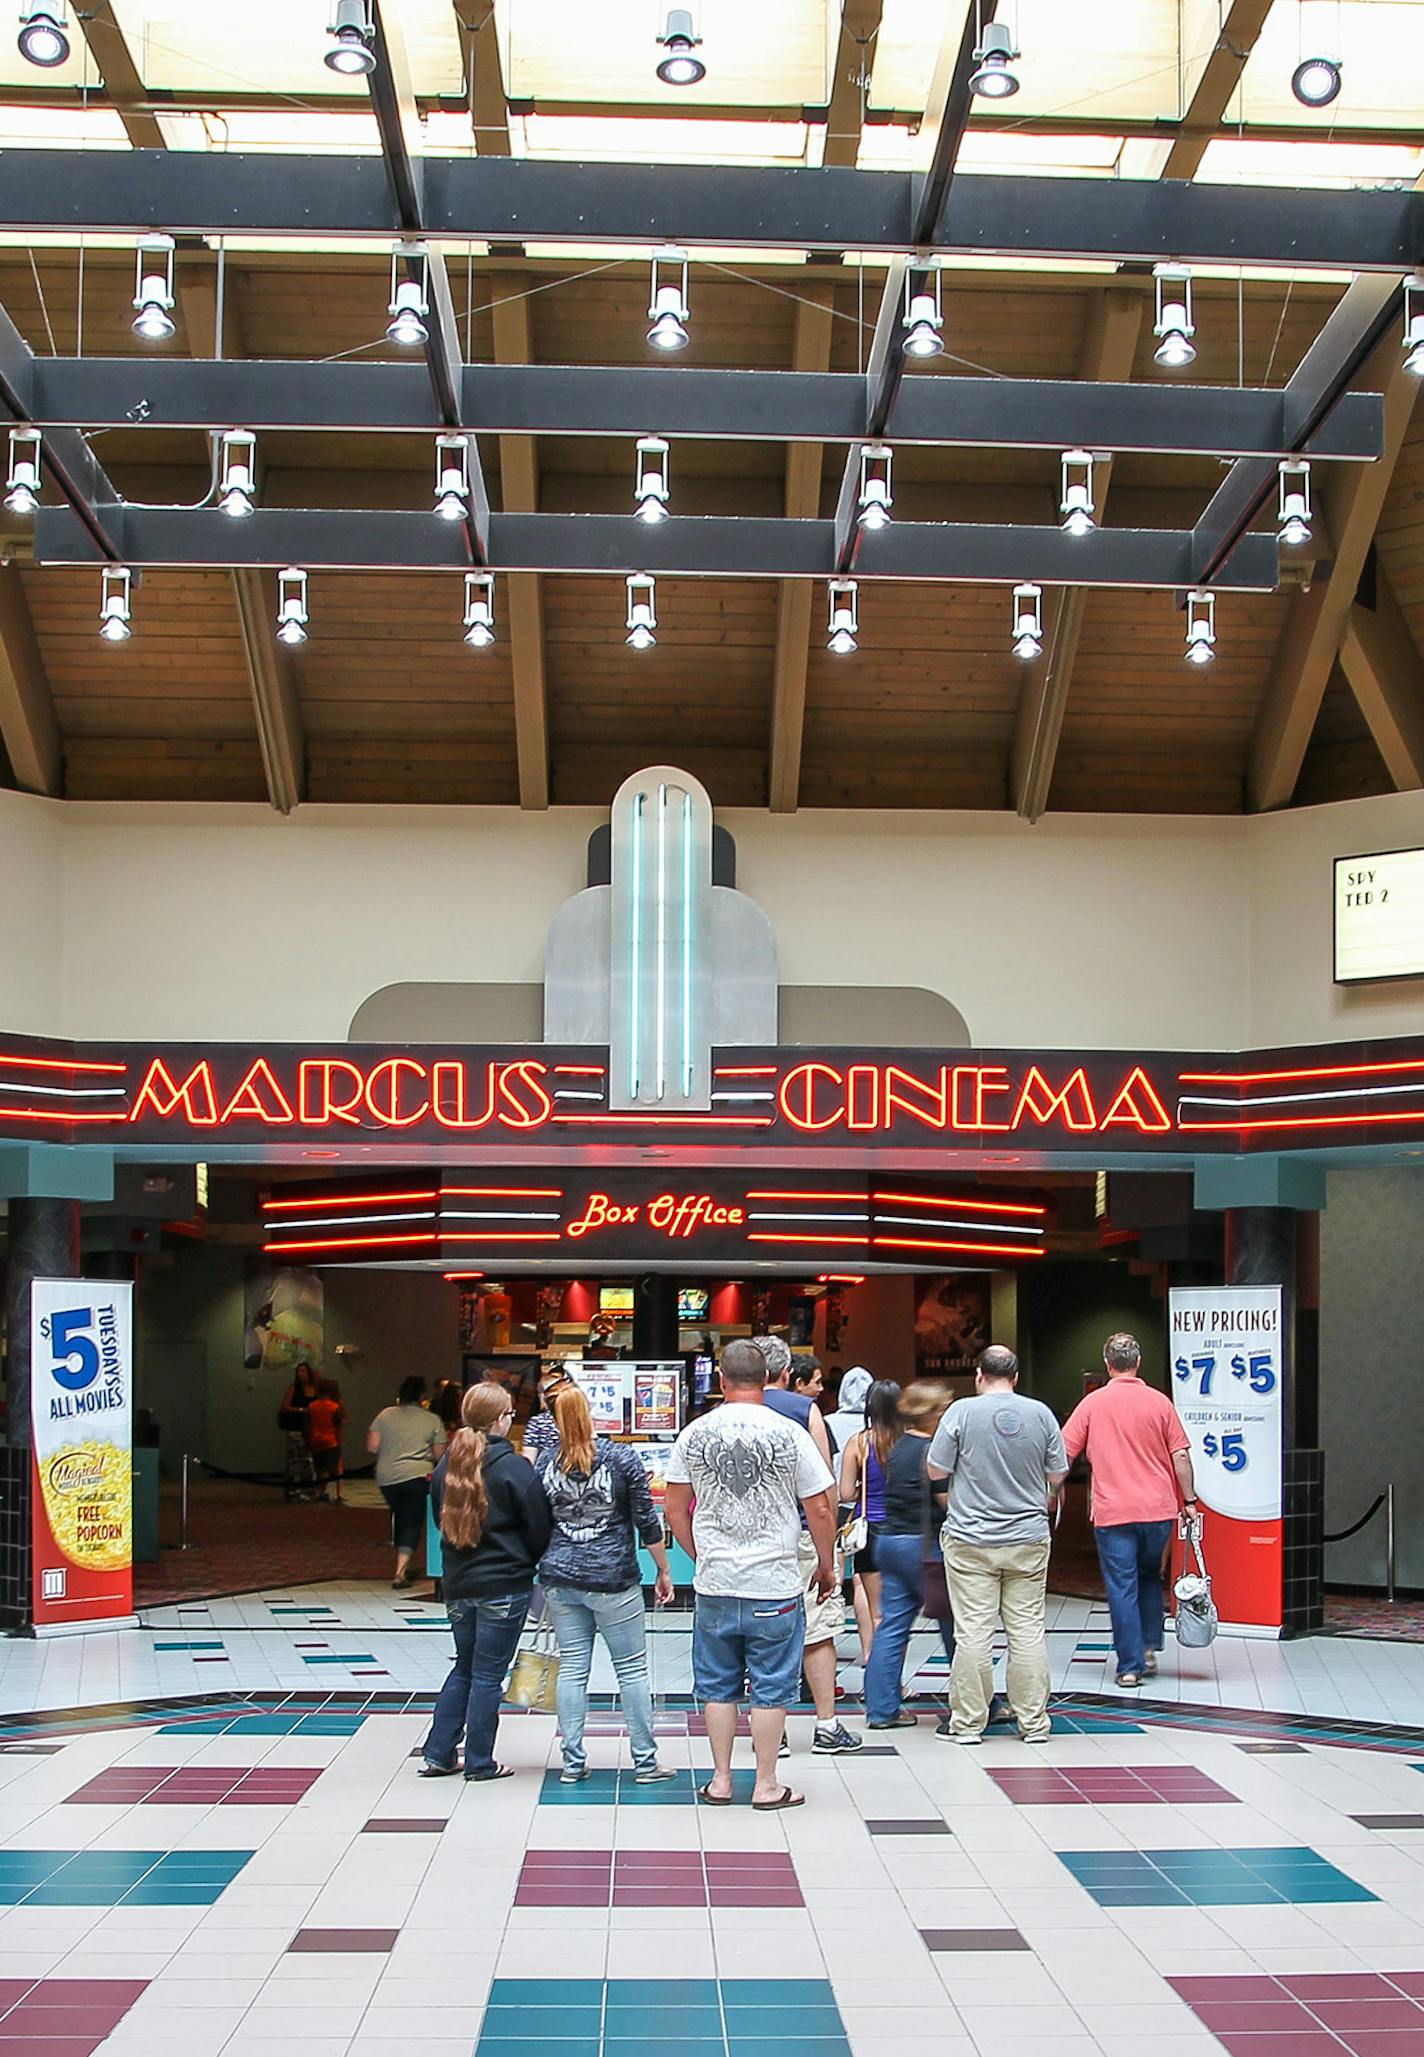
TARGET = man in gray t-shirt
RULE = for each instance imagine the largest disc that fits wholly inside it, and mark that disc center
(1004, 1458)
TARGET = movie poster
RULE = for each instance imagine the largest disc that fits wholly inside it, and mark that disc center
(284, 1319)
(951, 1322)
(81, 1410)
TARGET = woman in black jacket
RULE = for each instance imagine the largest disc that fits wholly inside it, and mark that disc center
(495, 1525)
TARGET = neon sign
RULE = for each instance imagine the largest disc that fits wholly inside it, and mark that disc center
(677, 1216)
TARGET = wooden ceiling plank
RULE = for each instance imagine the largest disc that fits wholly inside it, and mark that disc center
(811, 351)
(489, 103)
(108, 46)
(1206, 109)
(275, 700)
(519, 478)
(1315, 627)
(1381, 660)
(1108, 352)
(28, 721)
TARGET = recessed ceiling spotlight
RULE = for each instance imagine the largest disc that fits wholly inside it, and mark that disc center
(652, 479)
(237, 477)
(1316, 81)
(1028, 622)
(642, 611)
(680, 67)
(43, 33)
(352, 33)
(1201, 627)
(667, 301)
(291, 606)
(844, 624)
(153, 289)
(993, 75)
(22, 482)
(1075, 501)
(479, 609)
(1174, 327)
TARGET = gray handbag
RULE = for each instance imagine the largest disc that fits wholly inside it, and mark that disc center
(1197, 1619)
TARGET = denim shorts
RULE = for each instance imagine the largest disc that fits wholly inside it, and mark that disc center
(734, 1641)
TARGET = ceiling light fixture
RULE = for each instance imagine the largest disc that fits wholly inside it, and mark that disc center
(680, 39)
(237, 475)
(652, 479)
(993, 75)
(1075, 500)
(1316, 81)
(1294, 505)
(667, 301)
(43, 38)
(452, 477)
(116, 604)
(844, 624)
(153, 289)
(923, 319)
(875, 500)
(1414, 325)
(1028, 621)
(291, 606)
(22, 482)
(479, 609)
(642, 610)
(352, 33)
(1174, 327)
(410, 304)
(1201, 627)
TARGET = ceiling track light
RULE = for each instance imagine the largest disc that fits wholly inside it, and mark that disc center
(874, 501)
(1293, 510)
(44, 38)
(1414, 325)
(652, 479)
(993, 75)
(1028, 622)
(668, 309)
(680, 67)
(1174, 326)
(237, 473)
(1075, 499)
(352, 32)
(923, 318)
(452, 477)
(153, 290)
(1201, 627)
(844, 624)
(409, 307)
(642, 610)
(116, 604)
(22, 481)
(291, 606)
(479, 609)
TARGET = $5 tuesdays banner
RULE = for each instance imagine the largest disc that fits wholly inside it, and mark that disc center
(81, 1409)
(1225, 1357)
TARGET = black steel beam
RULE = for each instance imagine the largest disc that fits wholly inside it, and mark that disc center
(706, 546)
(1312, 398)
(687, 402)
(800, 208)
(65, 452)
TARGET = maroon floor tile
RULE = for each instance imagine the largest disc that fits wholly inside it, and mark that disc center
(356, 1940)
(1348, 2016)
(1257, 2017)
(112, 1992)
(1292, 2043)
(1230, 1986)
(659, 1896)
(562, 1896)
(70, 2020)
(1411, 1982)
(50, 2046)
(403, 1825)
(1387, 2042)
(1341, 1985)
(953, 1939)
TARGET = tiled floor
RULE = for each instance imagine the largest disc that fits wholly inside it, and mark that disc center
(1235, 1864)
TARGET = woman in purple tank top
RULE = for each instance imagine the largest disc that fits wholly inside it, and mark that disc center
(863, 1469)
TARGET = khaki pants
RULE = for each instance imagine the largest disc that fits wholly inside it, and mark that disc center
(987, 1582)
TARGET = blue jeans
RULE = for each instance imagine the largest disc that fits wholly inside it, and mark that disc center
(899, 1560)
(1130, 1554)
(486, 1636)
(736, 1640)
(622, 1622)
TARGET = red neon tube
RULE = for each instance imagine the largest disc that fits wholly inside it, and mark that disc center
(503, 1192)
(989, 1249)
(505, 1236)
(62, 1064)
(759, 1194)
(814, 1242)
(671, 1120)
(1299, 1121)
(342, 1200)
(56, 1114)
(1264, 1078)
(971, 1206)
(347, 1242)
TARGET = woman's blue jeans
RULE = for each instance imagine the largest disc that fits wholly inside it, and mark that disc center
(898, 1559)
(486, 1636)
(621, 1620)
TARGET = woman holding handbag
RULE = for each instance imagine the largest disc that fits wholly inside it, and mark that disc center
(494, 1527)
(862, 1486)
(601, 1506)
(906, 1550)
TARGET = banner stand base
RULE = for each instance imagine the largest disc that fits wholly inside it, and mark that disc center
(1253, 1630)
(43, 1630)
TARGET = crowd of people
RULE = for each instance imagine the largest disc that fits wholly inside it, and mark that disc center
(932, 1505)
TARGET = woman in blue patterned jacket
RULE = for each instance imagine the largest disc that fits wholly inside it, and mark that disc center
(602, 1506)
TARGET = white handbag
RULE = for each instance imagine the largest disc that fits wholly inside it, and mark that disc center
(1197, 1619)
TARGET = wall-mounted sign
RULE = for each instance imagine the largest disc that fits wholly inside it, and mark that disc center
(81, 1406)
(1225, 1354)
(1379, 917)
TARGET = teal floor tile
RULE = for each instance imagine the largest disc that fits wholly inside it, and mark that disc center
(576, 2046)
(681, 1992)
(758, 1992)
(654, 2045)
(1139, 1896)
(1249, 1892)
(805, 2018)
(650, 2019)
(160, 1895)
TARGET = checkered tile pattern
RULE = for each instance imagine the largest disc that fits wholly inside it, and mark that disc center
(1324, 2014)
(1291, 1877)
(113, 1878)
(1106, 1785)
(647, 2017)
(206, 1786)
(620, 1789)
(62, 2017)
(657, 1878)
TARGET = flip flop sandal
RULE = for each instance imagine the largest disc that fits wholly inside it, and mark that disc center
(1129, 1678)
(438, 1771)
(710, 1799)
(485, 1778)
(787, 1799)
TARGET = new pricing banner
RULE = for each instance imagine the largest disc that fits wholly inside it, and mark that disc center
(81, 1409)
(1225, 1353)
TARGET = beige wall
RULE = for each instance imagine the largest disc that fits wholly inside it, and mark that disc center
(227, 922)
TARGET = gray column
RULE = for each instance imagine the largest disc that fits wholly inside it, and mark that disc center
(43, 1242)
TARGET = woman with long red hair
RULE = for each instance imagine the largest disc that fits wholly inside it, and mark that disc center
(494, 1526)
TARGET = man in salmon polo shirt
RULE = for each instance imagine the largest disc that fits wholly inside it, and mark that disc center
(1133, 1438)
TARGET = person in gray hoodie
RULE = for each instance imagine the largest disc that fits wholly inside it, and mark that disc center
(847, 1422)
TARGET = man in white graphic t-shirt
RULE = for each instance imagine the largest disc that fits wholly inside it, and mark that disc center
(750, 1473)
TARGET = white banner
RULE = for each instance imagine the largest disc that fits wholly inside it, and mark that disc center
(1225, 1354)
